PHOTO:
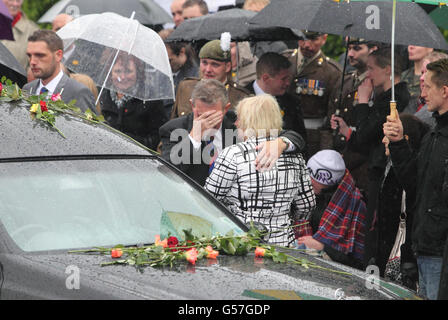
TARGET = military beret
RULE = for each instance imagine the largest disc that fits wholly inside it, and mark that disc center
(311, 35)
(353, 40)
(213, 50)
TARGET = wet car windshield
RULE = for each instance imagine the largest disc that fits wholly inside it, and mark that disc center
(50, 205)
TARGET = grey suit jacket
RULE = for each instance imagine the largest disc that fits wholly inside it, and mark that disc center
(72, 90)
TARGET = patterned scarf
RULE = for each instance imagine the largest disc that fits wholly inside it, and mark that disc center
(341, 225)
(119, 102)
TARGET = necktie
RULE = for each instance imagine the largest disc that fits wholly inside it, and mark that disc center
(43, 90)
(213, 154)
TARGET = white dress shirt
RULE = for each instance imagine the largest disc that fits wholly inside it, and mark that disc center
(258, 91)
(217, 140)
(51, 86)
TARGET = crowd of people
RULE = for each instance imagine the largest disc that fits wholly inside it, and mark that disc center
(283, 138)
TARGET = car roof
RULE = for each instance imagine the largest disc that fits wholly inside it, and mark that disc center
(21, 136)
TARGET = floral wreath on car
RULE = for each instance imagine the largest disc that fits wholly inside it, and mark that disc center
(44, 108)
(171, 251)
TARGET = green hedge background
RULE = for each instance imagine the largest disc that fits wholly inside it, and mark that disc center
(35, 9)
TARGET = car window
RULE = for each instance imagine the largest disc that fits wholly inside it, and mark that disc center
(49, 205)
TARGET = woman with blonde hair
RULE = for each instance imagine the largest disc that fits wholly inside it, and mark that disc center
(274, 198)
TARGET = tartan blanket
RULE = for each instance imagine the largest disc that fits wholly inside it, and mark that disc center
(342, 223)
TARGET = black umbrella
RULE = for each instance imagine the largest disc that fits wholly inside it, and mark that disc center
(147, 12)
(315, 15)
(371, 20)
(413, 26)
(10, 67)
(234, 21)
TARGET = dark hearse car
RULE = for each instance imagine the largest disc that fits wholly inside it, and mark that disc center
(97, 187)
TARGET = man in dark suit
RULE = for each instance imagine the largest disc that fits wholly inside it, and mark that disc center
(274, 78)
(193, 141)
(45, 50)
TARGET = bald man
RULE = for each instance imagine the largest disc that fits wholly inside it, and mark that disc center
(176, 11)
(60, 20)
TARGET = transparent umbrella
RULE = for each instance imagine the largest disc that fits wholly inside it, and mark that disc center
(148, 12)
(119, 54)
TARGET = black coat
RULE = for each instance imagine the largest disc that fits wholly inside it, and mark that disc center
(424, 175)
(387, 222)
(191, 163)
(186, 158)
(139, 120)
(291, 111)
(367, 140)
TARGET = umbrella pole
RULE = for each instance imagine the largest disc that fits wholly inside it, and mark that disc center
(393, 103)
(113, 62)
(237, 63)
(338, 109)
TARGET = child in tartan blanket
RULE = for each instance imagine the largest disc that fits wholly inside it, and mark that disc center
(336, 224)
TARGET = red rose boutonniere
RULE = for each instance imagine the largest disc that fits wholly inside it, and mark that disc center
(56, 97)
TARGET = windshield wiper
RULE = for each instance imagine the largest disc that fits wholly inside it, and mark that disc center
(79, 157)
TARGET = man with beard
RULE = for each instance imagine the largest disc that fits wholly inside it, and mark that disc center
(45, 51)
(358, 52)
(315, 77)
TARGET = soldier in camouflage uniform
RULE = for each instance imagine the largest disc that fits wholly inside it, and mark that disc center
(214, 64)
(315, 77)
(358, 52)
(412, 75)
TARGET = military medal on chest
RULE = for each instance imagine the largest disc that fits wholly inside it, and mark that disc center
(355, 99)
(320, 88)
(310, 87)
(311, 84)
(301, 86)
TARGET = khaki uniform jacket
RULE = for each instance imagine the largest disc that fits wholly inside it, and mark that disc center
(349, 97)
(413, 82)
(314, 83)
(182, 104)
(22, 30)
(246, 72)
(355, 162)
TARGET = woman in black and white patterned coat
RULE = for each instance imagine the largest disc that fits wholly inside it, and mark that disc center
(275, 197)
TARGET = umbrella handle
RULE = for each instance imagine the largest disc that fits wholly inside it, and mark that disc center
(393, 109)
